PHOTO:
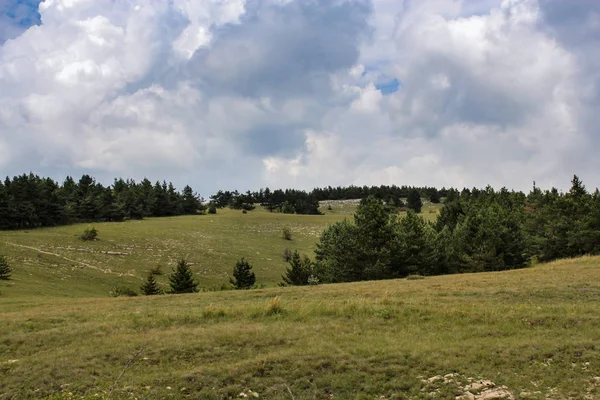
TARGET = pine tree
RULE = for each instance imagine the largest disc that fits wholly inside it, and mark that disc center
(299, 271)
(5, 269)
(413, 201)
(190, 201)
(182, 279)
(150, 287)
(243, 277)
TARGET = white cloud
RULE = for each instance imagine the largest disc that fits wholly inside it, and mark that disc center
(284, 93)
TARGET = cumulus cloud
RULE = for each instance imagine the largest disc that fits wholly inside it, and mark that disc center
(248, 93)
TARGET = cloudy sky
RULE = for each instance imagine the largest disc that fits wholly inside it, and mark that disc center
(302, 93)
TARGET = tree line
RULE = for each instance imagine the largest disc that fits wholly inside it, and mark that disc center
(291, 201)
(29, 201)
(476, 231)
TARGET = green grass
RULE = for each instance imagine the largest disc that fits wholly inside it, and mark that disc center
(47, 260)
(535, 331)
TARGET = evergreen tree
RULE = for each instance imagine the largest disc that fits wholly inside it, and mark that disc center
(414, 249)
(5, 270)
(150, 287)
(243, 277)
(190, 201)
(182, 279)
(353, 252)
(335, 256)
(413, 201)
(299, 271)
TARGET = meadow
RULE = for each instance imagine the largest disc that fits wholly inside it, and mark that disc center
(532, 333)
(54, 262)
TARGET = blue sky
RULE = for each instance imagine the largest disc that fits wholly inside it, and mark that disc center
(16, 16)
(239, 94)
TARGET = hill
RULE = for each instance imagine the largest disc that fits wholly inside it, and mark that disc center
(50, 260)
(530, 333)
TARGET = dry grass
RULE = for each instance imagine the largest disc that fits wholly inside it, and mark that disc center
(534, 330)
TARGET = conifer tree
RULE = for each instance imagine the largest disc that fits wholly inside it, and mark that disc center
(182, 279)
(413, 201)
(150, 287)
(5, 270)
(299, 271)
(243, 277)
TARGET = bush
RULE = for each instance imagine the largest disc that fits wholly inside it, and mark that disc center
(182, 279)
(329, 208)
(244, 212)
(212, 209)
(287, 255)
(243, 277)
(5, 270)
(156, 270)
(119, 291)
(89, 234)
(248, 206)
(287, 208)
(286, 232)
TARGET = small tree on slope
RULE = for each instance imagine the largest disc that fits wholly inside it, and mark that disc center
(182, 279)
(5, 270)
(243, 277)
(150, 287)
(299, 271)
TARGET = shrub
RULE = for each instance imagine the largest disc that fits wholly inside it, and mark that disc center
(287, 255)
(244, 212)
(287, 208)
(212, 209)
(286, 232)
(5, 269)
(182, 279)
(329, 208)
(248, 206)
(150, 287)
(119, 291)
(274, 307)
(156, 270)
(89, 234)
(243, 277)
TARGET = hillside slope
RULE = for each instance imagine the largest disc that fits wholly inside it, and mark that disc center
(53, 262)
(530, 333)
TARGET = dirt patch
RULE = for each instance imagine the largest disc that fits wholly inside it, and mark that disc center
(466, 388)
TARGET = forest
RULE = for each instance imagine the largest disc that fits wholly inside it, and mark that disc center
(29, 201)
(476, 231)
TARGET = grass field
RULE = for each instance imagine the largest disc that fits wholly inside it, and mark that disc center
(50, 259)
(525, 334)
(535, 331)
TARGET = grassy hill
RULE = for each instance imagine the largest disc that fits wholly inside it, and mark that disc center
(525, 334)
(49, 260)
(535, 331)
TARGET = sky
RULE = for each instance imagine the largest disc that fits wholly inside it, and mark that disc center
(243, 94)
